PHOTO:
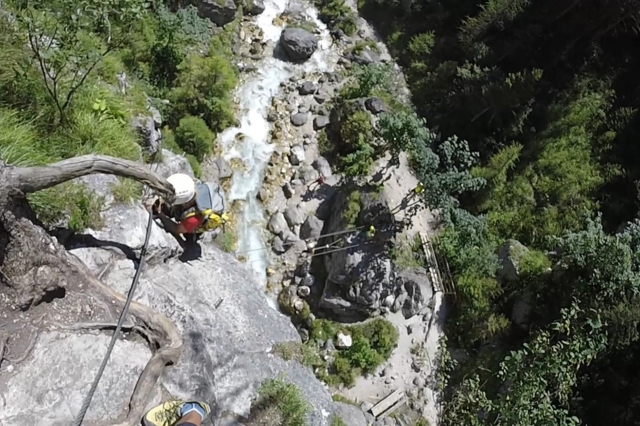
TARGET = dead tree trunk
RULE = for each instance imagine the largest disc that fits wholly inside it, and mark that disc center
(32, 262)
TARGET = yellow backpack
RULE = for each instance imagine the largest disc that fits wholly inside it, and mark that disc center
(211, 203)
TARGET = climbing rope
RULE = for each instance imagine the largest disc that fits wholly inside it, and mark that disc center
(123, 315)
(344, 231)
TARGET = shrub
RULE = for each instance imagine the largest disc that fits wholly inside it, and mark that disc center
(373, 343)
(126, 190)
(356, 134)
(194, 137)
(337, 14)
(337, 421)
(352, 211)
(204, 87)
(286, 398)
(195, 165)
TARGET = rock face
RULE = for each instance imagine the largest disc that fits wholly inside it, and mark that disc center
(223, 317)
(220, 12)
(359, 278)
(150, 136)
(172, 163)
(298, 43)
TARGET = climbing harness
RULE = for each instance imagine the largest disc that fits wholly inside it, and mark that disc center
(114, 338)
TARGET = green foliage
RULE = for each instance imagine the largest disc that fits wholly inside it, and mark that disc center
(357, 133)
(286, 398)
(126, 191)
(194, 137)
(228, 239)
(408, 254)
(367, 78)
(203, 89)
(69, 39)
(352, 210)
(373, 343)
(337, 421)
(338, 15)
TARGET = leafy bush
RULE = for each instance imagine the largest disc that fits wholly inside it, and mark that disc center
(194, 137)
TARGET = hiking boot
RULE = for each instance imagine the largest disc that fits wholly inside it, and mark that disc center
(168, 413)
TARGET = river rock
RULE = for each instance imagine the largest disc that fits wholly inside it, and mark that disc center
(304, 291)
(263, 194)
(375, 105)
(298, 43)
(297, 155)
(311, 228)
(307, 174)
(320, 122)
(222, 168)
(293, 216)
(288, 190)
(308, 280)
(322, 166)
(252, 7)
(277, 224)
(299, 119)
(289, 238)
(278, 245)
(220, 12)
(307, 88)
(272, 116)
(321, 96)
(418, 291)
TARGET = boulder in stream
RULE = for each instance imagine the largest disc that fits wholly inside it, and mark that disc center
(252, 7)
(298, 43)
(220, 12)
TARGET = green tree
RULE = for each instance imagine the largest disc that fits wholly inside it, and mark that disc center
(70, 38)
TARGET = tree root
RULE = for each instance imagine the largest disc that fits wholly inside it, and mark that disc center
(164, 332)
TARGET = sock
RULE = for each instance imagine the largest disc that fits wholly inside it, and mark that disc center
(192, 406)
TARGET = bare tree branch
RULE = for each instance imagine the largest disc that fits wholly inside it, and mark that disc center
(31, 179)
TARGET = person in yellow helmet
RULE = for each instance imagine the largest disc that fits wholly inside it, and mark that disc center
(419, 189)
(371, 232)
(197, 208)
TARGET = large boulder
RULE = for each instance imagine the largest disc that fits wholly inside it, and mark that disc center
(360, 277)
(226, 324)
(298, 43)
(220, 12)
(311, 228)
(417, 291)
(510, 253)
(252, 7)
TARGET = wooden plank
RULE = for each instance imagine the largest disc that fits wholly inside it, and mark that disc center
(393, 408)
(387, 402)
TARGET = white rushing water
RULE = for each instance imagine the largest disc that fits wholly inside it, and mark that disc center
(250, 142)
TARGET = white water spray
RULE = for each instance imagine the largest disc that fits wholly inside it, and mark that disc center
(250, 142)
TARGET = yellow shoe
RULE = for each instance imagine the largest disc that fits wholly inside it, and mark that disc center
(168, 413)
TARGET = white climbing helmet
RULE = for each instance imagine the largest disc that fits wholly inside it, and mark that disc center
(184, 187)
